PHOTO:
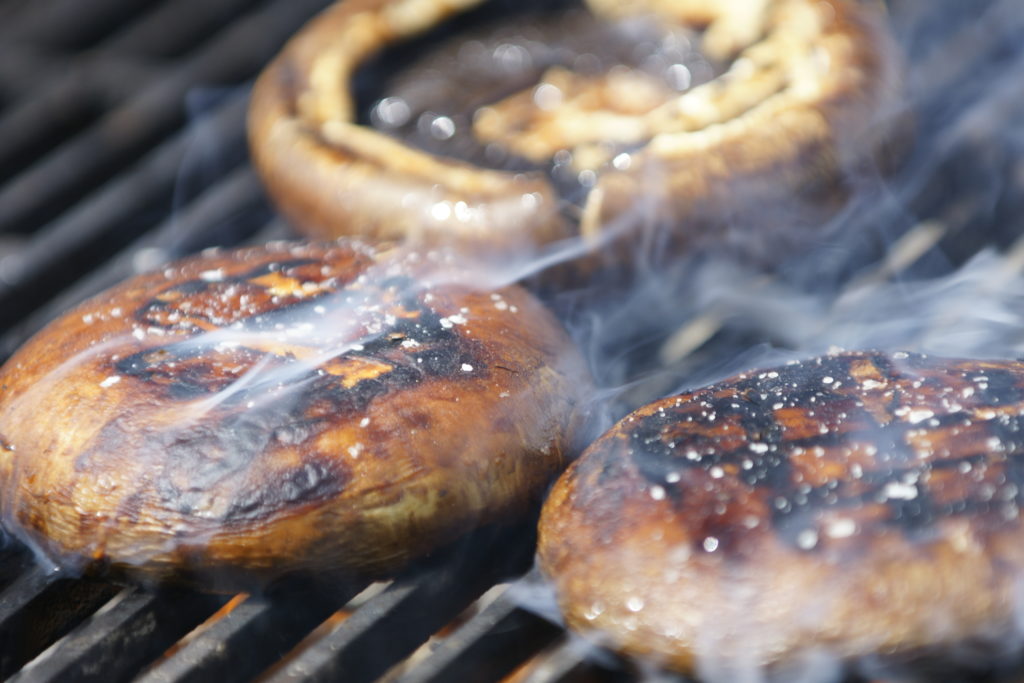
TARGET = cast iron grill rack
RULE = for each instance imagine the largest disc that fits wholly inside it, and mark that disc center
(122, 146)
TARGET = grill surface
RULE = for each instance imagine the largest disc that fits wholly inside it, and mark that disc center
(122, 146)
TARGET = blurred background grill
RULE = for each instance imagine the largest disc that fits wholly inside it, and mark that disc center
(122, 145)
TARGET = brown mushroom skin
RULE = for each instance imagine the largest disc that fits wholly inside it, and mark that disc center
(752, 162)
(333, 177)
(854, 504)
(191, 421)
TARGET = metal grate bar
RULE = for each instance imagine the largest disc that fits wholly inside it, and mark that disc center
(572, 661)
(241, 220)
(35, 126)
(382, 632)
(127, 195)
(229, 212)
(487, 647)
(83, 236)
(391, 625)
(46, 188)
(24, 71)
(39, 608)
(265, 629)
(15, 601)
(14, 559)
(26, 588)
(27, 75)
(174, 27)
(950, 233)
(867, 228)
(69, 24)
(126, 633)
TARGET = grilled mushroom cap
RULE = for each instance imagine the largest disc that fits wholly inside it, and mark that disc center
(804, 84)
(267, 410)
(855, 504)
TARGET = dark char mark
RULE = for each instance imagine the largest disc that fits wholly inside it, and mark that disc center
(315, 481)
(658, 447)
(217, 451)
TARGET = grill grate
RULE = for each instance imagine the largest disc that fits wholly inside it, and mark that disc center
(122, 146)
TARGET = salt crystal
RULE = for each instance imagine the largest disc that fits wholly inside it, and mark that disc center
(898, 491)
(841, 528)
(807, 539)
(212, 275)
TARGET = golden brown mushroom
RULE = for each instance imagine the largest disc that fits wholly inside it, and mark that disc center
(851, 505)
(804, 83)
(246, 414)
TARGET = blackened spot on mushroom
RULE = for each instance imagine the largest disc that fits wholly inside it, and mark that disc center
(273, 267)
(131, 508)
(1015, 471)
(208, 453)
(608, 473)
(892, 491)
(399, 283)
(219, 301)
(313, 482)
(191, 368)
(655, 459)
(999, 387)
(169, 496)
(204, 461)
(440, 362)
(187, 371)
(220, 462)
(180, 289)
(661, 451)
(331, 398)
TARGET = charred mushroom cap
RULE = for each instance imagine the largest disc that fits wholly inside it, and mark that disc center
(805, 83)
(251, 413)
(855, 504)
